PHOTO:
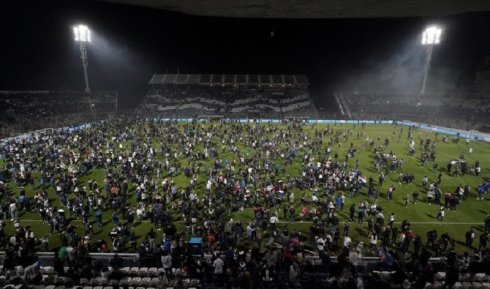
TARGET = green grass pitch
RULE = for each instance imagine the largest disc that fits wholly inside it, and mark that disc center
(469, 214)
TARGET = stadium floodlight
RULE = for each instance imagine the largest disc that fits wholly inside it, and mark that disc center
(82, 33)
(430, 37)
(83, 36)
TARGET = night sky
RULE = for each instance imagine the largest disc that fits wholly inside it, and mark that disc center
(132, 43)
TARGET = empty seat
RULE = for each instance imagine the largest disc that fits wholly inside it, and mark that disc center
(457, 285)
(48, 270)
(101, 281)
(135, 281)
(51, 287)
(478, 277)
(145, 281)
(154, 282)
(125, 270)
(485, 285)
(143, 271)
(153, 272)
(134, 271)
(441, 276)
(85, 287)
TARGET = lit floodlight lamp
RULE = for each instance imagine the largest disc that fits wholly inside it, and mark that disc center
(431, 35)
(82, 33)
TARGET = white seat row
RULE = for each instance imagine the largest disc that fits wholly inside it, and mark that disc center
(142, 271)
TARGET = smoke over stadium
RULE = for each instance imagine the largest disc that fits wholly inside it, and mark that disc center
(200, 144)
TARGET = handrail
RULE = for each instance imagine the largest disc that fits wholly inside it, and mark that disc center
(135, 256)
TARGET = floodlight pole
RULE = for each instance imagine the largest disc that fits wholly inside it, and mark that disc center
(430, 37)
(428, 58)
(83, 56)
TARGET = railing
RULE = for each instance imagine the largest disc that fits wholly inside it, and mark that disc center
(133, 257)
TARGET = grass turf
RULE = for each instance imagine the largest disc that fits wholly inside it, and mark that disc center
(469, 214)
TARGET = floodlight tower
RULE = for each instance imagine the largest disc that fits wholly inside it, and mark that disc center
(430, 38)
(82, 36)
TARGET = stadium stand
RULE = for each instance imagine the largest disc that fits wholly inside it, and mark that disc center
(228, 95)
(465, 111)
(24, 111)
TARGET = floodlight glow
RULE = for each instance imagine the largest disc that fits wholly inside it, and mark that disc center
(431, 35)
(82, 33)
(82, 36)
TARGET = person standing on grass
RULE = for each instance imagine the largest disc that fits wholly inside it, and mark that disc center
(347, 241)
(338, 202)
(13, 210)
(407, 200)
(272, 221)
(360, 214)
(392, 219)
(440, 215)
(98, 217)
(415, 196)
(218, 266)
(431, 238)
(487, 223)
(483, 241)
(470, 237)
(151, 236)
(352, 211)
(425, 181)
(391, 190)
(115, 218)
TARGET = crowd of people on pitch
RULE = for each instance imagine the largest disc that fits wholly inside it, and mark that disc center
(199, 180)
